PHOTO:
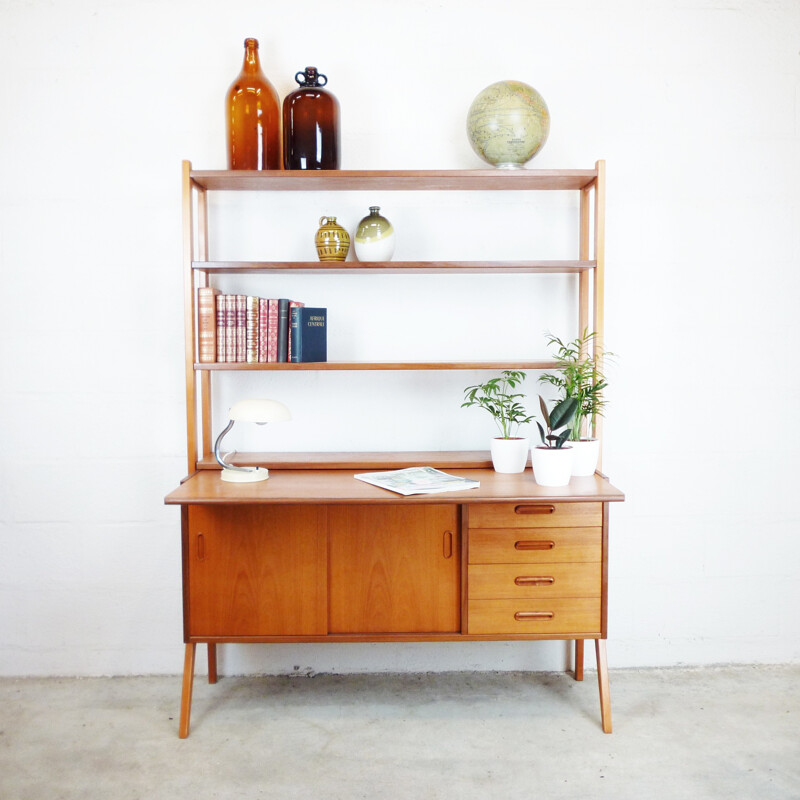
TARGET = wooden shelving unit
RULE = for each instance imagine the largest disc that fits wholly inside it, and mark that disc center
(589, 184)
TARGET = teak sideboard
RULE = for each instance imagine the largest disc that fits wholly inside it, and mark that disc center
(314, 555)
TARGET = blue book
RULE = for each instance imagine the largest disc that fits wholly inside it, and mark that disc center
(309, 332)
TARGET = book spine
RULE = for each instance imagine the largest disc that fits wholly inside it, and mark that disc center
(206, 325)
(252, 330)
(263, 328)
(295, 336)
(230, 327)
(283, 330)
(272, 332)
(292, 305)
(241, 328)
(221, 326)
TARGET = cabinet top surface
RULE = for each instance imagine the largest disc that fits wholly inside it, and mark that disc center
(339, 486)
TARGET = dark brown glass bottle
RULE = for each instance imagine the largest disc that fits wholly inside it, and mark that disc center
(310, 124)
(252, 111)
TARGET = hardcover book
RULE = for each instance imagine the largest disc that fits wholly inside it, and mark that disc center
(206, 325)
(272, 332)
(251, 347)
(283, 329)
(221, 327)
(309, 334)
(263, 329)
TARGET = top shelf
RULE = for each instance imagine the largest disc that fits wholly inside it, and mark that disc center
(397, 180)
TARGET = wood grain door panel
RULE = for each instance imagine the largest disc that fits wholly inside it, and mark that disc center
(394, 569)
(257, 570)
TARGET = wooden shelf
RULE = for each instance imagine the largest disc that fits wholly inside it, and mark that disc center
(467, 459)
(394, 180)
(384, 365)
(395, 267)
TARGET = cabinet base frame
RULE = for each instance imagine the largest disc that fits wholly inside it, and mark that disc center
(189, 659)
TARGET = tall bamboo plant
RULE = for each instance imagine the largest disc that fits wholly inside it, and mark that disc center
(496, 397)
(580, 377)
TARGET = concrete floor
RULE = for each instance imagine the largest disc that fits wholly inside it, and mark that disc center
(730, 732)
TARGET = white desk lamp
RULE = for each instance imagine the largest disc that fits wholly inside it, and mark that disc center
(260, 412)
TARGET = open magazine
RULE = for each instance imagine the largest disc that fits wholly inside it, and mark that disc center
(417, 480)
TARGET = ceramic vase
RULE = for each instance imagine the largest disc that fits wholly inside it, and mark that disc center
(333, 241)
(375, 237)
(552, 466)
(509, 455)
(587, 453)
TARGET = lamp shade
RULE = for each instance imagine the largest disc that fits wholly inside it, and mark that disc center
(259, 411)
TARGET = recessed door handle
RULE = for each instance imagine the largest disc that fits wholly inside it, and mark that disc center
(447, 544)
(532, 580)
(201, 547)
(534, 545)
(537, 509)
(522, 616)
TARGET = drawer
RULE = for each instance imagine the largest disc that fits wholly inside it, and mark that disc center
(535, 515)
(542, 546)
(555, 616)
(498, 581)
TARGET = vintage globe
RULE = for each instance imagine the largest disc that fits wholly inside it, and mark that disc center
(508, 123)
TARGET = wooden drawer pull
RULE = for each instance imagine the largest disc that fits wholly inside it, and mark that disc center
(447, 544)
(201, 547)
(543, 580)
(522, 616)
(534, 509)
(534, 545)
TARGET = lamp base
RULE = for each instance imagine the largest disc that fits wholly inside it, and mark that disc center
(235, 476)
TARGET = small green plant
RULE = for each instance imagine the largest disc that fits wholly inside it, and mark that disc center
(497, 397)
(559, 417)
(579, 377)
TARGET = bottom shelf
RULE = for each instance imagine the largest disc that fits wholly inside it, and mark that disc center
(466, 459)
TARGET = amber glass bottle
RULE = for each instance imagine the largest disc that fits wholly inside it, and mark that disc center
(252, 113)
(310, 124)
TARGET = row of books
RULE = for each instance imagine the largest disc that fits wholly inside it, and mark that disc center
(247, 329)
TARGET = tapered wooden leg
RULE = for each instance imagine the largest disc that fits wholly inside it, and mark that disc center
(186, 695)
(579, 659)
(212, 662)
(602, 679)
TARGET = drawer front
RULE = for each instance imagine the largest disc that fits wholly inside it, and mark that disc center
(541, 546)
(508, 581)
(549, 616)
(535, 515)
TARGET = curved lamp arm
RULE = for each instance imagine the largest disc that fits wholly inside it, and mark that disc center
(218, 453)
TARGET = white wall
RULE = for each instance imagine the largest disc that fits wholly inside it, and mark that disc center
(693, 104)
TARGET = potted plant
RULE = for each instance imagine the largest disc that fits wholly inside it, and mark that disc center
(552, 459)
(509, 451)
(581, 378)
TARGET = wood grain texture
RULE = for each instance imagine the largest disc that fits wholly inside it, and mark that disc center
(536, 515)
(509, 581)
(569, 615)
(257, 570)
(339, 486)
(389, 572)
(394, 180)
(559, 545)
(547, 267)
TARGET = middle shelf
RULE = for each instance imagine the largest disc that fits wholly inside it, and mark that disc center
(395, 267)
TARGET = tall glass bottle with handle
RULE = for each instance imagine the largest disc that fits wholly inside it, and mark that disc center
(253, 117)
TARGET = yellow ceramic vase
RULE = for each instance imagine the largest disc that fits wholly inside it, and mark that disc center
(333, 241)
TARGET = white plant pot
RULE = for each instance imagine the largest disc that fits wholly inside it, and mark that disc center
(509, 455)
(586, 454)
(552, 466)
